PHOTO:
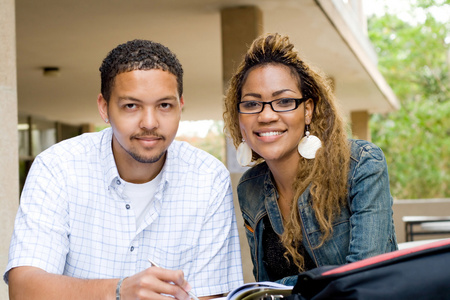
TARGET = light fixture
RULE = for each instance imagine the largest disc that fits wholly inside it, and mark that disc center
(51, 71)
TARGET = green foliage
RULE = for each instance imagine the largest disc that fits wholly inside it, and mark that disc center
(414, 59)
(417, 148)
(431, 3)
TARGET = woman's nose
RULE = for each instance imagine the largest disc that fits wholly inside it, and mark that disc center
(267, 114)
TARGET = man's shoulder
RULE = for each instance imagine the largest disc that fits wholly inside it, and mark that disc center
(80, 146)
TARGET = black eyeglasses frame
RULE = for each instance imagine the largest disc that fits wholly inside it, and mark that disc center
(298, 101)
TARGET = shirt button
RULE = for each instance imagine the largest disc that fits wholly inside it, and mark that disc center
(118, 182)
(132, 248)
(128, 206)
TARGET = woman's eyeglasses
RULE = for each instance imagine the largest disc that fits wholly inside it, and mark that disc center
(278, 105)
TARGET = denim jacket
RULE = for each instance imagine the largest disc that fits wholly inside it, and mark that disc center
(363, 229)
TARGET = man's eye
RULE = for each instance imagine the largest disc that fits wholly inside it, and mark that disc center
(130, 106)
(166, 105)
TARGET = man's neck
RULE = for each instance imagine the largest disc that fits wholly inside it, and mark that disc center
(133, 171)
(141, 173)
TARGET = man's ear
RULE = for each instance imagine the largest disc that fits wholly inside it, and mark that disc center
(102, 106)
(309, 109)
(181, 102)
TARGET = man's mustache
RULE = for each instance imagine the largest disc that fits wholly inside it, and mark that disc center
(148, 134)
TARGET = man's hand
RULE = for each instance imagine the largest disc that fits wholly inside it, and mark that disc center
(152, 283)
(155, 283)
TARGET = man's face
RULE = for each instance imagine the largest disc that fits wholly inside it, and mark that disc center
(144, 111)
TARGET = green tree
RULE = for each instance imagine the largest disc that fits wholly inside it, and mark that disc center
(414, 59)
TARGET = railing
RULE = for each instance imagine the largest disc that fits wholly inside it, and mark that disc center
(423, 208)
(427, 225)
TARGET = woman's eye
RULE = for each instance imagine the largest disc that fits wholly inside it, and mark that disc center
(285, 102)
(250, 104)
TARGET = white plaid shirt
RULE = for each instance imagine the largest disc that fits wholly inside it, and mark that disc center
(74, 219)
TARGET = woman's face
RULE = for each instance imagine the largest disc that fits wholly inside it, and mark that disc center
(274, 135)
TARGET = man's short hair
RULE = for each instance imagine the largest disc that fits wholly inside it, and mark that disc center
(138, 55)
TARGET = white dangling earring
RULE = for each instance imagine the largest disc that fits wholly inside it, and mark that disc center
(106, 120)
(309, 145)
(244, 154)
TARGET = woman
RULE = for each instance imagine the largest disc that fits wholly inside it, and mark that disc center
(312, 197)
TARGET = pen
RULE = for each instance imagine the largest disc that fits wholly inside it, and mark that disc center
(190, 293)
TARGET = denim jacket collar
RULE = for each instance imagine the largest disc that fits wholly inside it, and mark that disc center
(271, 204)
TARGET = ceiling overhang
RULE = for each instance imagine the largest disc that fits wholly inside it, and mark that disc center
(76, 36)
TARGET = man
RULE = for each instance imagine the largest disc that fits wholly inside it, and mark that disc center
(96, 208)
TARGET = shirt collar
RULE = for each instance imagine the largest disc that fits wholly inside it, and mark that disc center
(170, 163)
(112, 178)
(271, 203)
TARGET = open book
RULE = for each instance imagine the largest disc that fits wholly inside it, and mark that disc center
(257, 290)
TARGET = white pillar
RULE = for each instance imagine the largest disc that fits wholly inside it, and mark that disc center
(9, 157)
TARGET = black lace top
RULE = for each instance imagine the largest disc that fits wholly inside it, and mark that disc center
(275, 263)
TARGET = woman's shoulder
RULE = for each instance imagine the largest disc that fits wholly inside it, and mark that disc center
(255, 173)
(252, 189)
(362, 148)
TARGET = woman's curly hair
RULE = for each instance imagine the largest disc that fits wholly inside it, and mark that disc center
(327, 173)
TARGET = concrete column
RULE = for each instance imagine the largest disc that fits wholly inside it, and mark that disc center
(360, 125)
(358, 8)
(240, 26)
(9, 154)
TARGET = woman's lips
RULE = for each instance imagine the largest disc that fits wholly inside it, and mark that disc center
(269, 133)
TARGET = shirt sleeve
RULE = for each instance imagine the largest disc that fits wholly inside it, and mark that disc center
(40, 237)
(371, 206)
(218, 262)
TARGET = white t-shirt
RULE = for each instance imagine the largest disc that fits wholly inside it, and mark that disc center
(141, 196)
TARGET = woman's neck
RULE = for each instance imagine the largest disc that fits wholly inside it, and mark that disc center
(284, 174)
